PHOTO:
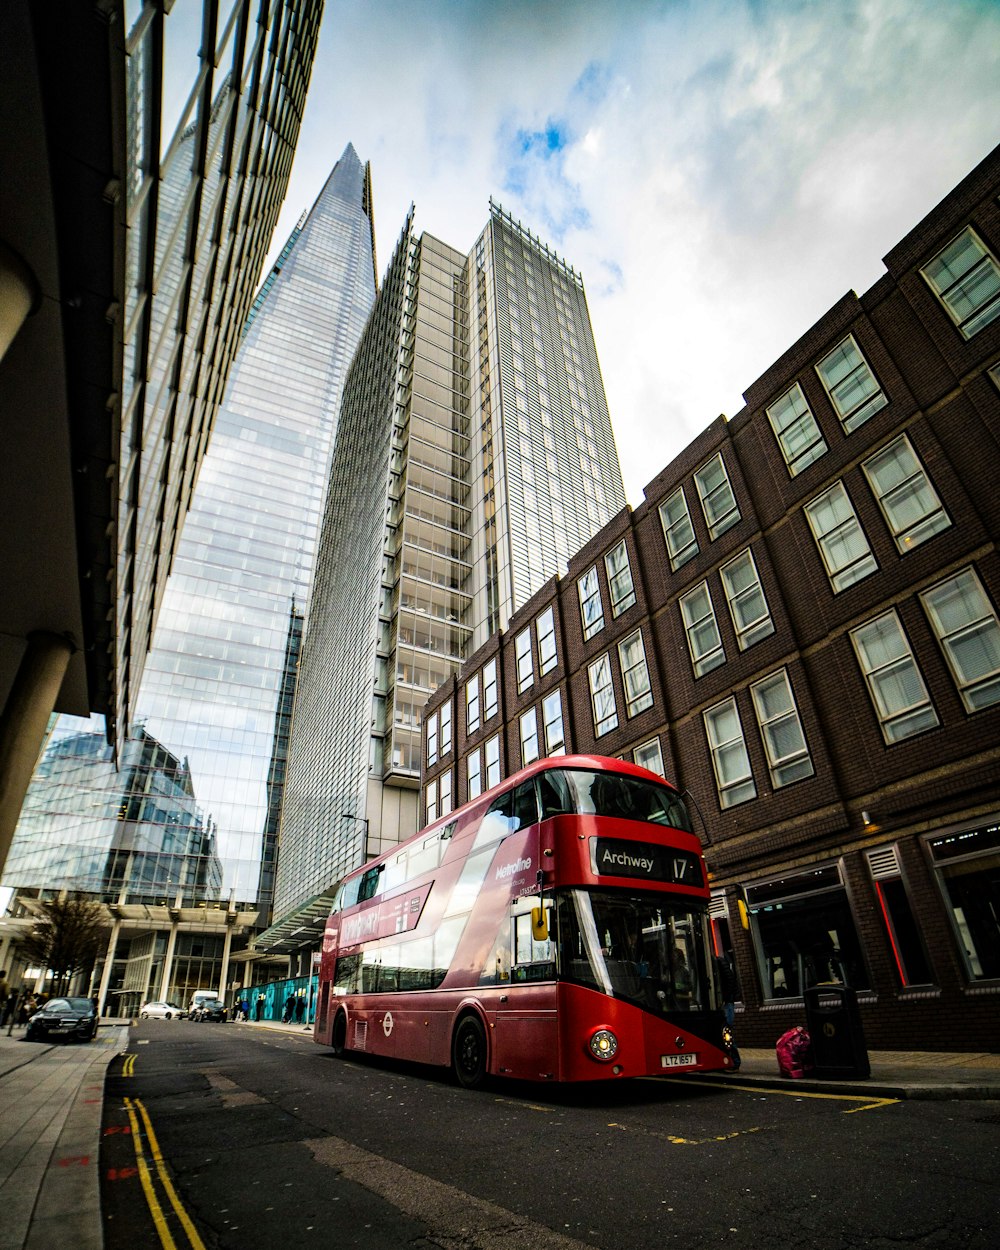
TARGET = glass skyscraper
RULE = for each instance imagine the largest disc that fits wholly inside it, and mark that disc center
(216, 691)
(475, 456)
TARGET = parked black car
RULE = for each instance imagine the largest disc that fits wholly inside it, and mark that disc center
(63, 1017)
(210, 1009)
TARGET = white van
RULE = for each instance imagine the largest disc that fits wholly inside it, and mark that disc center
(199, 997)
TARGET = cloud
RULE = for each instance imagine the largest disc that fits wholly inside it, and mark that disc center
(721, 171)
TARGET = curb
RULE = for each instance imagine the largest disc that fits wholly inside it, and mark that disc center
(862, 1089)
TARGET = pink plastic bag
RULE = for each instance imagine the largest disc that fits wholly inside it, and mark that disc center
(794, 1052)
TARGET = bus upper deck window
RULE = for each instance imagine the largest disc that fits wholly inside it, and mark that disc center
(555, 793)
(370, 883)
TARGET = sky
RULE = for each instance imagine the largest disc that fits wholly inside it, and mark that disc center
(720, 171)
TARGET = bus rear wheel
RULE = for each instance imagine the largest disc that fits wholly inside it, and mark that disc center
(338, 1039)
(468, 1053)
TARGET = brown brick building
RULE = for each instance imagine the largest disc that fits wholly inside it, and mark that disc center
(799, 626)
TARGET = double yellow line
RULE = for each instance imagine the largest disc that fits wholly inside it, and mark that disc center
(137, 1111)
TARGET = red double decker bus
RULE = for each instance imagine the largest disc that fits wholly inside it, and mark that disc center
(554, 929)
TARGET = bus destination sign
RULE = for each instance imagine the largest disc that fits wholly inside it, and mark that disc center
(645, 859)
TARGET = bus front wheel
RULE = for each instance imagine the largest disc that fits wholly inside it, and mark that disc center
(339, 1037)
(468, 1052)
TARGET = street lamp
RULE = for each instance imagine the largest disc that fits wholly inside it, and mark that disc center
(361, 820)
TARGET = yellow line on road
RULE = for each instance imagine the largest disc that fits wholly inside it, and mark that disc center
(155, 1210)
(167, 1183)
(686, 1141)
(128, 1067)
(871, 1103)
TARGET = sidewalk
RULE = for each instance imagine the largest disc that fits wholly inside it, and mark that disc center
(51, 1099)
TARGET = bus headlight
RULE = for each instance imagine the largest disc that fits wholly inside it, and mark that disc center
(603, 1044)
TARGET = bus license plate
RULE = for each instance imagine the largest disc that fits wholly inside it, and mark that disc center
(678, 1061)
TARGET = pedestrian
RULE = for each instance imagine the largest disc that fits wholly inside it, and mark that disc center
(259, 1007)
(300, 1009)
(5, 996)
(289, 1009)
(729, 991)
(244, 1008)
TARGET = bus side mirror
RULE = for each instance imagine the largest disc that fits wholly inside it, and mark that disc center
(539, 924)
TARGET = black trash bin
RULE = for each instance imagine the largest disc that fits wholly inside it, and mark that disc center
(838, 1040)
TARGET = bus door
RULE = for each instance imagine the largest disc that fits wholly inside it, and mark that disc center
(525, 1036)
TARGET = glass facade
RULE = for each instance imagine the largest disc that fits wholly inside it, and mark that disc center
(216, 692)
(475, 456)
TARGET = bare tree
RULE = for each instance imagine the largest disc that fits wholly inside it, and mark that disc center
(66, 939)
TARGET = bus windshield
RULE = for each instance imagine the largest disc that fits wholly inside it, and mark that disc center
(579, 792)
(635, 946)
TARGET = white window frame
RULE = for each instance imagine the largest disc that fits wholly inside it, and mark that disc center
(552, 724)
(474, 774)
(718, 499)
(432, 739)
(635, 675)
(978, 630)
(525, 665)
(761, 626)
(952, 286)
(472, 705)
(589, 595)
(491, 757)
(796, 429)
(528, 726)
(430, 802)
(545, 633)
(619, 571)
(444, 793)
(445, 739)
(491, 701)
(602, 695)
(852, 412)
(898, 668)
(741, 788)
(895, 496)
(840, 544)
(678, 531)
(703, 658)
(649, 756)
(795, 762)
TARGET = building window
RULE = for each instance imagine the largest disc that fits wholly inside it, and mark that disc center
(492, 749)
(747, 605)
(841, 540)
(907, 946)
(444, 793)
(781, 730)
(796, 430)
(490, 700)
(804, 933)
(432, 739)
(445, 741)
(966, 626)
(703, 638)
(522, 649)
(552, 719)
(619, 579)
(717, 499)
(591, 608)
(602, 696)
(908, 501)
(678, 532)
(529, 737)
(635, 674)
(430, 803)
(851, 385)
(649, 756)
(474, 773)
(733, 778)
(966, 279)
(895, 684)
(967, 865)
(472, 705)
(546, 631)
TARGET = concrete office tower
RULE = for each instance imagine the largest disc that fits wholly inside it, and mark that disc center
(475, 455)
(216, 679)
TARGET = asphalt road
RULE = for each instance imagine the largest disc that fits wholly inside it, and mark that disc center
(219, 1136)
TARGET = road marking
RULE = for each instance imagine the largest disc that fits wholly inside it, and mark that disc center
(871, 1103)
(146, 1178)
(685, 1141)
(128, 1067)
(451, 1216)
(525, 1106)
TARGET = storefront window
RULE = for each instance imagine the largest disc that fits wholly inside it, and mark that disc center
(968, 869)
(907, 945)
(804, 933)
